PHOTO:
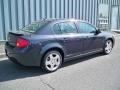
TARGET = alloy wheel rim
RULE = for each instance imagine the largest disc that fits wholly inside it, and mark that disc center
(53, 61)
(108, 47)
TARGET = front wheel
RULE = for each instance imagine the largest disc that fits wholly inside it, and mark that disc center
(108, 47)
(52, 60)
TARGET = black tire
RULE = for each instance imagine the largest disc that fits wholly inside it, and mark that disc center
(45, 57)
(105, 52)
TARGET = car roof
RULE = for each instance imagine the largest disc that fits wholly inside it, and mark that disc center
(49, 20)
(55, 20)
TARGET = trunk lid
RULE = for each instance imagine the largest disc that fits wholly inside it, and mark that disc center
(13, 36)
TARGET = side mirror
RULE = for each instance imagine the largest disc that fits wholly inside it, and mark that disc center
(97, 31)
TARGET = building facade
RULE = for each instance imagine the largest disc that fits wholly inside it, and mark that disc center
(15, 14)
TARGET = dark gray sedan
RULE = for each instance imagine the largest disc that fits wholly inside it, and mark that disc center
(49, 43)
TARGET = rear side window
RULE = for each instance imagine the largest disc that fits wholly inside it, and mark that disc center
(56, 29)
(65, 27)
(85, 27)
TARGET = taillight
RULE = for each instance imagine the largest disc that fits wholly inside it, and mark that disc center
(21, 42)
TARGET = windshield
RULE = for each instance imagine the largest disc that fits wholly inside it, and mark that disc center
(34, 26)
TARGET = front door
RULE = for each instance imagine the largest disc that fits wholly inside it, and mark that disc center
(91, 41)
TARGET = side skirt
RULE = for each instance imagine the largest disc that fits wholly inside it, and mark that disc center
(82, 55)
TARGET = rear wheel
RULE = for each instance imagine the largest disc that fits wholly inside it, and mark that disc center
(108, 47)
(52, 60)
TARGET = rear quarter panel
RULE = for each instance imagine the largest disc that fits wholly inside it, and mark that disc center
(43, 43)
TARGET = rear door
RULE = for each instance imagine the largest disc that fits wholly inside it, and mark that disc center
(67, 35)
(92, 41)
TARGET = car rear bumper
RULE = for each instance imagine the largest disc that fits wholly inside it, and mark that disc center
(26, 57)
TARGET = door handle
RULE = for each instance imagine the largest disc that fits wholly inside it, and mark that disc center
(87, 36)
(65, 39)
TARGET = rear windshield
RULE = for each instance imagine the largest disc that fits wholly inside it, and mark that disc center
(34, 26)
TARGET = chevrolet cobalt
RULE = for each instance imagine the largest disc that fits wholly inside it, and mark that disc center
(50, 42)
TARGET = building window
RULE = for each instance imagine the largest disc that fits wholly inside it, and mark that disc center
(103, 16)
(114, 18)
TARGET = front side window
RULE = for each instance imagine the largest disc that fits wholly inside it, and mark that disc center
(85, 27)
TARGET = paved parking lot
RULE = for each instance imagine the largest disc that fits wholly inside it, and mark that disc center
(96, 72)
